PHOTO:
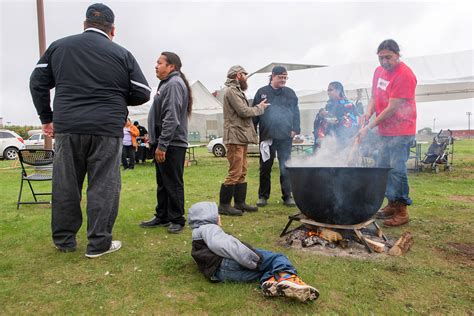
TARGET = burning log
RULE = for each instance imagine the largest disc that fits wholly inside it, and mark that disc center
(376, 246)
(330, 235)
(402, 245)
(313, 240)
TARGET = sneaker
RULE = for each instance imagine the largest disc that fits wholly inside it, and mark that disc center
(289, 202)
(62, 249)
(175, 228)
(262, 202)
(154, 222)
(269, 287)
(114, 246)
(292, 286)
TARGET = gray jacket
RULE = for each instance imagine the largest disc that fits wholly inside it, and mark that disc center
(168, 116)
(202, 218)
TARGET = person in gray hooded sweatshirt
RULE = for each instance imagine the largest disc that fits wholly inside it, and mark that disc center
(222, 257)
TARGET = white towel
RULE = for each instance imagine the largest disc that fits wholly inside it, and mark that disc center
(265, 149)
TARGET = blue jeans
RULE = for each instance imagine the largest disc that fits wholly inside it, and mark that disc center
(394, 154)
(271, 264)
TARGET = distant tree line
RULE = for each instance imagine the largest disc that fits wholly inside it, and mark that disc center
(22, 130)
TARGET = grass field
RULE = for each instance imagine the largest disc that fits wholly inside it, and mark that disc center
(154, 272)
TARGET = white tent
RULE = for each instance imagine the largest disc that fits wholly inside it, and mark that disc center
(207, 116)
(206, 119)
(440, 77)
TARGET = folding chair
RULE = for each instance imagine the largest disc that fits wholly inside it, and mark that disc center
(36, 165)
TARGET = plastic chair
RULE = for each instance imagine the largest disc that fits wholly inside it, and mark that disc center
(36, 165)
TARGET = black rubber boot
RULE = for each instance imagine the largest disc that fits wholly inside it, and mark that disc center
(225, 197)
(240, 194)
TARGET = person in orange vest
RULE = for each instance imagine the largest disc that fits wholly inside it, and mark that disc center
(130, 133)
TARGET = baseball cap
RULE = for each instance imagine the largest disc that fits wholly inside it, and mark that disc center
(279, 70)
(234, 70)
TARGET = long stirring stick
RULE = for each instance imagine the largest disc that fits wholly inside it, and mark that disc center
(354, 153)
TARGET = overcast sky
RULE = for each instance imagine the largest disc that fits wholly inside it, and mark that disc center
(212, 36)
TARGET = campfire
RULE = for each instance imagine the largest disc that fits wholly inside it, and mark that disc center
(338, 205)
(352, 241)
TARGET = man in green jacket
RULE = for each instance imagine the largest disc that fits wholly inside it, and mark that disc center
(238, 133)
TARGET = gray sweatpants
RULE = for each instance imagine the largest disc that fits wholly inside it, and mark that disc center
(98, 157)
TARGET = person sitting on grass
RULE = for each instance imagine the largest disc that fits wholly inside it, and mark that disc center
(222, 257)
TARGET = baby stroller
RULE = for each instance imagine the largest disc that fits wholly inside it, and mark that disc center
(440, 152)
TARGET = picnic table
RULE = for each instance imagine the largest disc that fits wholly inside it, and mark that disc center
(191, 158)
(303, 147)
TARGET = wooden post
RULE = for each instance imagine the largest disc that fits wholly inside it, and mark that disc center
(41, 31)
(48, 142)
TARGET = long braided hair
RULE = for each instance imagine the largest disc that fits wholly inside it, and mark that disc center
(173, 59)
(339, 87)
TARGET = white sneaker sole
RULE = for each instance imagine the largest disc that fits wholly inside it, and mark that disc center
(303, 293)
(269, 289)
(116, 245)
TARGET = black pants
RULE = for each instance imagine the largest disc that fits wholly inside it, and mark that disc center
(170, 186)
(282, 147)
(128, 152)
(99, 158)
(141, 154)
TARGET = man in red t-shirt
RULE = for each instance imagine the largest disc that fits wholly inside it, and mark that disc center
(393, 101)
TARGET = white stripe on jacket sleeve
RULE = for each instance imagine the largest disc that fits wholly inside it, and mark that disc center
(141, 85)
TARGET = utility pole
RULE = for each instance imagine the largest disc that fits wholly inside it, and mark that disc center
(48, 142)
(468, 120)
(434, 124)
(41, 29)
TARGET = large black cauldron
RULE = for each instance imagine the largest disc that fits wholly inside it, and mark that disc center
(338, 195)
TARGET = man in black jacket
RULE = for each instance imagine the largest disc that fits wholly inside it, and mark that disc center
(277, 127)
(94, 80)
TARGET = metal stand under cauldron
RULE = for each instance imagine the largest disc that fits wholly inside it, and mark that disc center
(355, 228)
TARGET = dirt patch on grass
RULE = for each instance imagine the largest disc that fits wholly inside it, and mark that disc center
(460, 252)
(466, 173)
(462, 198)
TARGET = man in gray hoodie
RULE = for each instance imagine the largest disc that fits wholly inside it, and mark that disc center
(222, 257)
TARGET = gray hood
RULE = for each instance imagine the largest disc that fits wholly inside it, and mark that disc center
(202, 218)
(202, 213)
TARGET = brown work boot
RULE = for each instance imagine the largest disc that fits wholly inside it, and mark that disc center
(400, 217)
(388, 211)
